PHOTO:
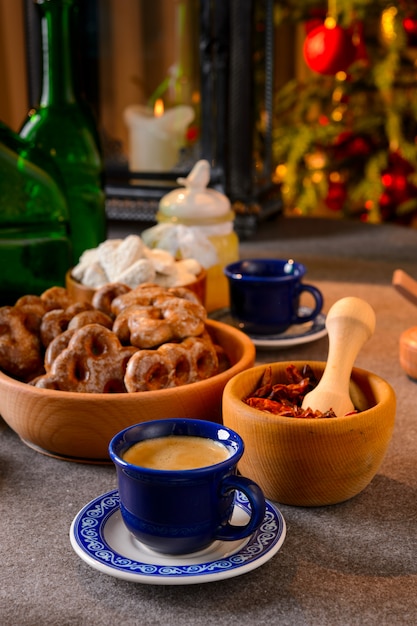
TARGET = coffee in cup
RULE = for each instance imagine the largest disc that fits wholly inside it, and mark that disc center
(176, 452)
(265, 295)
(180, 510)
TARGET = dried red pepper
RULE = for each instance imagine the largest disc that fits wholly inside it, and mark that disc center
(285, 399)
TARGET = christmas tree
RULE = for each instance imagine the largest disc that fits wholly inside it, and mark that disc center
(345, 139)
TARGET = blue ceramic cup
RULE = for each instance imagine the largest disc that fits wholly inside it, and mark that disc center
(265, 295)
(182, 511)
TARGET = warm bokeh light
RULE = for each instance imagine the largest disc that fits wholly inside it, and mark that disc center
(335, 177)
(330, 22)
(280, 172)
(337, 115)
(388, 24)
(316, 177)
(158, 109)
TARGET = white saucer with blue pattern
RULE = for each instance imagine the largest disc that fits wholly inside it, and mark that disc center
(99, 537)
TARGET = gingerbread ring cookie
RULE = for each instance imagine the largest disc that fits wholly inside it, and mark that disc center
(93, 362)
(148, 317)
(104, 296)
(186, 294)
(121, 323)
(179, 362)
(79, 307)
(33, 309)
(147, 332)
(44, 382)
(20, 347)
(146, 371)
(56, 346)
(90, 317)
(56, 298)
(144, 295)
(32, 304)
(203, 356)
(53, 324)
(184, 317)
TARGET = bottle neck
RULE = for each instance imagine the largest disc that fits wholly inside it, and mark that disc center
(58, 81)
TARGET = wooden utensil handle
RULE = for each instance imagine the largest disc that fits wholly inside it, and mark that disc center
(405, 285)
(350, 322)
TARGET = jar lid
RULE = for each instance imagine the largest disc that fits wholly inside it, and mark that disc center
(194, 202)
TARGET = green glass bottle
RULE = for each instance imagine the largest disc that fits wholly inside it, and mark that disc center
(60, 127)
(35, 249)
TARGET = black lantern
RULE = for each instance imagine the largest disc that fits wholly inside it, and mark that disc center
(226, 48)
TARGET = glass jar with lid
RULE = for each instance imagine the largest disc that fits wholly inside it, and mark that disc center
(206, 212)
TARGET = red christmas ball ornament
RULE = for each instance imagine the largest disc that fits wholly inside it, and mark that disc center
(348, 145)
(395, 178)
(397, 188)
(329, 49)
(336, 196)
(359, 147)
(410, 28)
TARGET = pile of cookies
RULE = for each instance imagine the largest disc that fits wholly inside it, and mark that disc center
(126, 340)
(131, 262)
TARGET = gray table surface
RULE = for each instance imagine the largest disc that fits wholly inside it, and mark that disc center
(353, 563)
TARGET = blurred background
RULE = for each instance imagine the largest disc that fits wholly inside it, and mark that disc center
(302, 107)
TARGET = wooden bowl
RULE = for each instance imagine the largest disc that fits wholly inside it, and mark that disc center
(79, 426)
(408, 351)
(312, 462)
(81, 293)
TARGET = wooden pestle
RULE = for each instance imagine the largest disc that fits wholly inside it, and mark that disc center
(350, 323)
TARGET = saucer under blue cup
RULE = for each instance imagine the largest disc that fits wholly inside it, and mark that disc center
(295, 335)
(100, 538)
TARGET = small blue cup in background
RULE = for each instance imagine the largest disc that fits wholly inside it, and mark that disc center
(182, 511)
(265, 295)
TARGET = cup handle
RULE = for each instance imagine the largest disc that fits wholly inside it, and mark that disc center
(318, 298)
(255, 496)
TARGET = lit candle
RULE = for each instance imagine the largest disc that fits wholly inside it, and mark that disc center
(158, 109)
(156, 136)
